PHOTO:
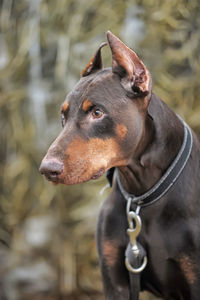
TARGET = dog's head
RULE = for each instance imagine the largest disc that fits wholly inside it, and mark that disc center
(102, 117)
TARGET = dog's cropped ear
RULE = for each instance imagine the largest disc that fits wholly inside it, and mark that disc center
(95, 63)
(135, 77)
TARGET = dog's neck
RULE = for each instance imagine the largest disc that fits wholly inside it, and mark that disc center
(161, 141)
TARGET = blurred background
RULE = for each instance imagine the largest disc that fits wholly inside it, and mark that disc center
(47, 245)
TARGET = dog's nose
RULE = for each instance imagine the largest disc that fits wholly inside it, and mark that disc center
(51, 169)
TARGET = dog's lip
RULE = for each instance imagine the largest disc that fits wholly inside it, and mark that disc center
(98, 174)
(56, 179)
(53, 177)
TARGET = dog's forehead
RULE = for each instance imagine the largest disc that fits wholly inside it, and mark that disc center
(75, 95)
(101, 86)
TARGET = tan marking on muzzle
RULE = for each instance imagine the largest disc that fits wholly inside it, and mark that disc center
(87, 160)
(121, 130)
(87, 104)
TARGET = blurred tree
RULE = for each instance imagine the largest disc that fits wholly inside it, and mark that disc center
(171, 49)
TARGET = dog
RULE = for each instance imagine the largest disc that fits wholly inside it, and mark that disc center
(112, 119)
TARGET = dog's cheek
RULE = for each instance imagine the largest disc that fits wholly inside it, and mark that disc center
(121, 131)
(86, 159)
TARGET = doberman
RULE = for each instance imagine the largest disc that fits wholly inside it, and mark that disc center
(113, 119)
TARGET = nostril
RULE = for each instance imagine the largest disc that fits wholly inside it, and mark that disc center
(54, 173)
(51, 168)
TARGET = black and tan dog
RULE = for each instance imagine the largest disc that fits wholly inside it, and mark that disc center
(112, 119)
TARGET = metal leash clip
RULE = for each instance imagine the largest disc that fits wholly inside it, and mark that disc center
(133, 231)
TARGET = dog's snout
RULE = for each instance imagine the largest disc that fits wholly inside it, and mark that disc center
(51, 169)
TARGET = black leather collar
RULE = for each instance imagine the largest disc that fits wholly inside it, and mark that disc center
(167, 180)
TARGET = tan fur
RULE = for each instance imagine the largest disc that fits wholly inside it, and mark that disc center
(187, 266)
(65, 106)
(86, 105)
(88, 65)
(121, 131)
(110, 251)
(85, 159)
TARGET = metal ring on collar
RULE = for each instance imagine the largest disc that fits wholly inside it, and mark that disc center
(135, 270)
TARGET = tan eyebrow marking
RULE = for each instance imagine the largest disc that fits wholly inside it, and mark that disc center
(121, 130)
(65, 106)
(87, 104)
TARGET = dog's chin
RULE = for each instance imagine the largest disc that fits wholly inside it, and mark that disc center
(68, 179)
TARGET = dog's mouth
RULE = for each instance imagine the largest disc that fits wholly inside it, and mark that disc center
(98, 174)
(71, 172)
(53, 177)
(70, 179)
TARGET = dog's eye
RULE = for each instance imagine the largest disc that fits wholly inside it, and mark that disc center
(97, 113)
(62, 119)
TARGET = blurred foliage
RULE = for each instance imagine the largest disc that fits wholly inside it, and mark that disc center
(171, 48)
(44, 45)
